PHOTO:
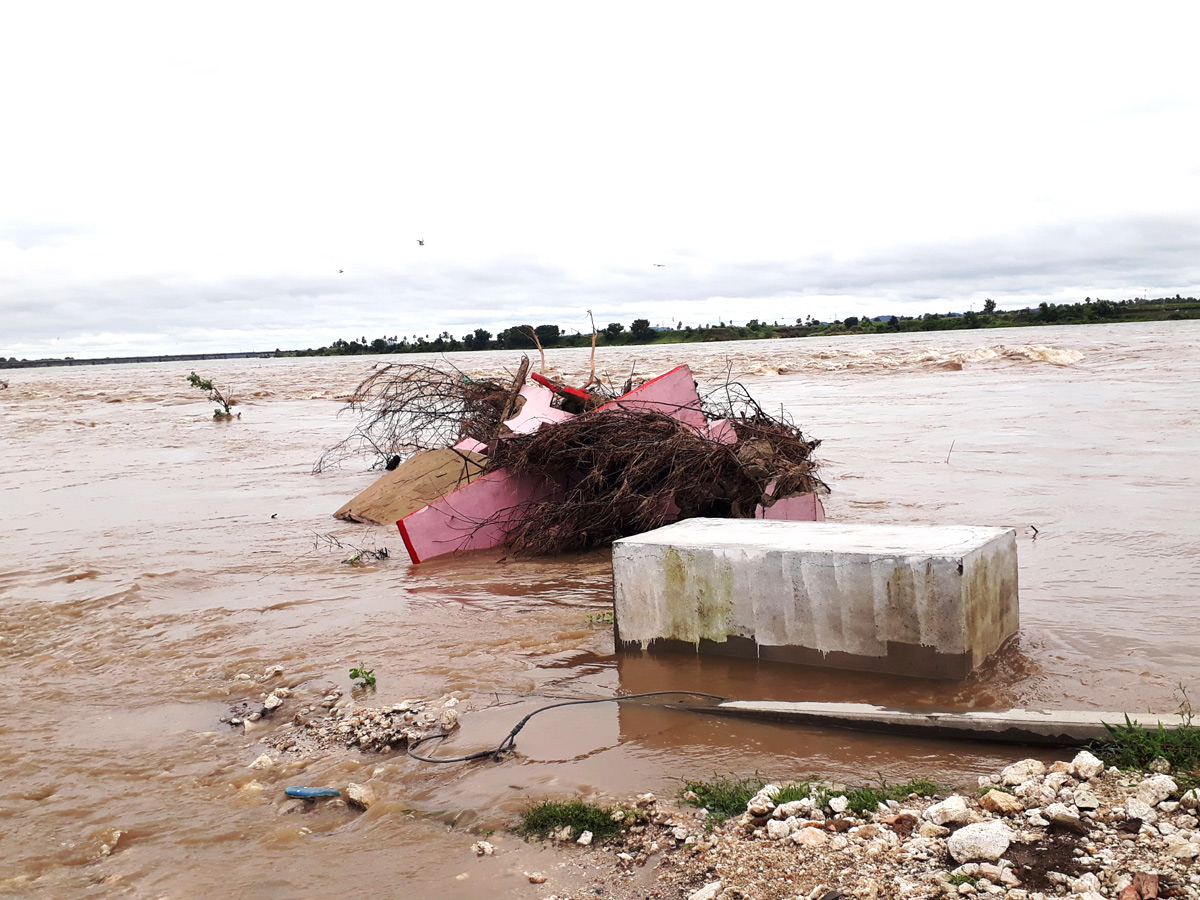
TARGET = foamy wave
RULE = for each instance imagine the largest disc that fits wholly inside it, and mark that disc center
(1051, 355)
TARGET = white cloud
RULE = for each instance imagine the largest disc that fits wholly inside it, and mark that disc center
(175, 167)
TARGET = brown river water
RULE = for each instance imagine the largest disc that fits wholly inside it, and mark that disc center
(149, 555)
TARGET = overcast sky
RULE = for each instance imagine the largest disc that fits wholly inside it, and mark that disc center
(183, 177)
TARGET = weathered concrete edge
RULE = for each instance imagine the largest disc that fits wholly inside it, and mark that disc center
(1013, 726)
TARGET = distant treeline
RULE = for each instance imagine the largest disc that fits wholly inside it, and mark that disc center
(641, 331)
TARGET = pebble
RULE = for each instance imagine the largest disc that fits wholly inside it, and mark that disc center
(483, 848)
(708, 892)
(585, 839)
(263, 762)
(536, 877)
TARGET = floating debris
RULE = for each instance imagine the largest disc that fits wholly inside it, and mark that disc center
(544, 468)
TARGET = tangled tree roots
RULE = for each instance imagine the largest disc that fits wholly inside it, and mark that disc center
(405, 408)
(608, 472)
(622, 472)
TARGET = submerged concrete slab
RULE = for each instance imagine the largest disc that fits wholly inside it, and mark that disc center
(913, 600)
(1017, 726)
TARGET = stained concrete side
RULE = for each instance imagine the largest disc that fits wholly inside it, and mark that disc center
(801, 593)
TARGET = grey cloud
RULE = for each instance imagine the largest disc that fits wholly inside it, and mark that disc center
(1119, 257)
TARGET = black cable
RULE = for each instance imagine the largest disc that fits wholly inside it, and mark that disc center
(510, 740)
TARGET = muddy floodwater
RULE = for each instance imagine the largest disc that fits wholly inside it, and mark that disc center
(149, 556)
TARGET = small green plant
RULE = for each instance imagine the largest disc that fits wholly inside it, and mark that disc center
(960, 878)
(222, 412)
(600, 618)
(1132, 747)
(790, 792)
(363, 676)
(543, 819)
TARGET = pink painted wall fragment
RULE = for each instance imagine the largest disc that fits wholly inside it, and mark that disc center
(537, 409)
(800, 508)
(672, 393)
(477, 516)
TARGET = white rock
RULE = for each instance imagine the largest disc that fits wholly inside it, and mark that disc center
(777, 830)
(1160, 765)
(951, 811)
(929, 830)
(360, 795)
(484, 848)
(1156, 788)
(448, 719)
(1190, 799)
(981, 841)
(1001, 802)
(1085, 798)
(1022, 771)
(1056, 780)
(792, 808)
(809, 837)
(263, 762)
(1085, 882)
(536, 877)
(272, 702)
(585, 838)
(1061, 814)
(838, 804)
(1136, 808)
(762, 803)
(708, 892)
(1181, 849)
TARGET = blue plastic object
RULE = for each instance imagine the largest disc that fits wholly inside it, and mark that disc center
(312, 793)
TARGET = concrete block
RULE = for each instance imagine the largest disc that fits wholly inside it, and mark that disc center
(929, 601)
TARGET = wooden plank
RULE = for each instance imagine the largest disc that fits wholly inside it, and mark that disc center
(417, 481)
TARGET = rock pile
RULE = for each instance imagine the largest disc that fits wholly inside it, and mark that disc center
(324, 719)
(336, 722)
(1068, 830)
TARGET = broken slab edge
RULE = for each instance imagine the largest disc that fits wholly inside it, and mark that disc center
(1013, 726)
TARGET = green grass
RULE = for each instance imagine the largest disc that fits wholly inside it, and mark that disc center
(866, 799)
(541, 819)
(726, 797)
(963, 879)
(1131, 747)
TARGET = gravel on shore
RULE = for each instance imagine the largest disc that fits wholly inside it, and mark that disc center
(1074, 830)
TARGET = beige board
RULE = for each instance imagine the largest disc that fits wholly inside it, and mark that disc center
(416, 482)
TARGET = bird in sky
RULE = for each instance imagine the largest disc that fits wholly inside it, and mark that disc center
(659, 265)
(421, 242)
(340, 271)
